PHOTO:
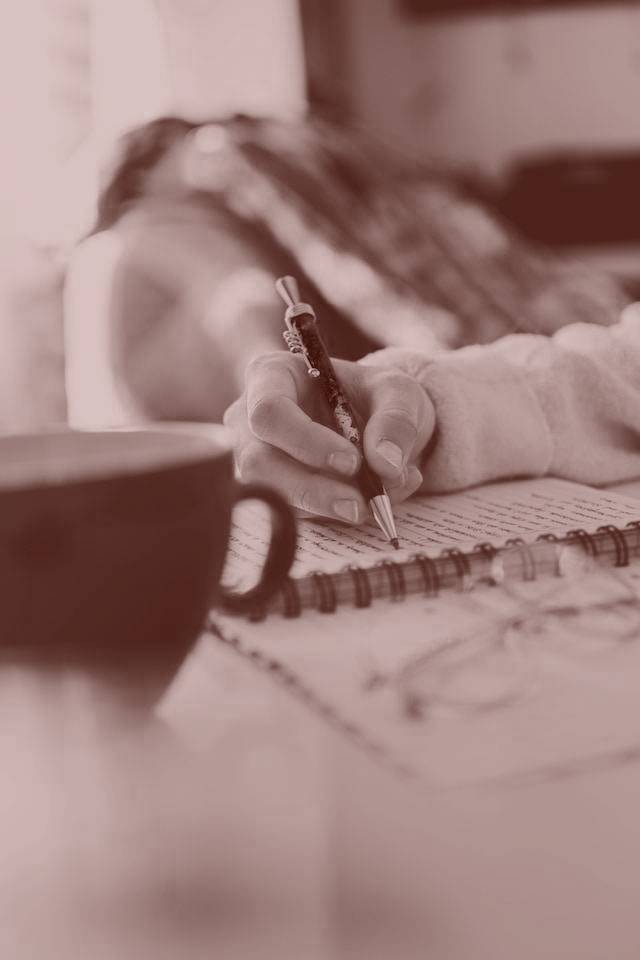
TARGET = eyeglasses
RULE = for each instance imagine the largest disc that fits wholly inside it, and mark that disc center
(551, 632)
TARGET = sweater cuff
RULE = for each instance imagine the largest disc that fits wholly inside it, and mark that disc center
(490, 425)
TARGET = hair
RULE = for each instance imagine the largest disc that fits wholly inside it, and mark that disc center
(137, 153)
(409, 224)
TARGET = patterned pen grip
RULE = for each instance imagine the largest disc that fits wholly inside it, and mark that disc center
(318, 358)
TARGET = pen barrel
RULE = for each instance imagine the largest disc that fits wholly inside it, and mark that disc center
(318, 358)
(344, 416)
(369, 483)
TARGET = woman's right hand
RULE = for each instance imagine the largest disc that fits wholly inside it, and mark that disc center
(284, 434)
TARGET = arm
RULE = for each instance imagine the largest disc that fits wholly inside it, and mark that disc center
(527, 405)
(161, 320)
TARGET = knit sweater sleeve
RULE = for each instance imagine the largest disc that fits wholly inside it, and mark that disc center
(529, 405)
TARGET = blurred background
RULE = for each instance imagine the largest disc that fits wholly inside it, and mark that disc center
(536, 100)
(536, 104)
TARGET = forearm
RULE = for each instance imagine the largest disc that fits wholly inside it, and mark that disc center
(191, 362)
(141, 343)
(527, 405)
(242, 319)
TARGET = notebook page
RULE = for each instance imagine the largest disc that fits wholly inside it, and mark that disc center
(534, 680)
(494, 513)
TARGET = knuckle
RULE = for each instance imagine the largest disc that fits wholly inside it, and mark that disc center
(302, 497)
(399, 382)
(308, 454)
(258, 364)
(265, 363)
(234, 412)
(263, 415)
(251, 461)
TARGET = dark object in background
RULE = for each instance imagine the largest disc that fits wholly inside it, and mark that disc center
(426, 8)
(575, 198)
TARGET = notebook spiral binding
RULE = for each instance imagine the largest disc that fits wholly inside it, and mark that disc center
(452, 569)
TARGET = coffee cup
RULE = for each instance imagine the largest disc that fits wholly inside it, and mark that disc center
(112, 546)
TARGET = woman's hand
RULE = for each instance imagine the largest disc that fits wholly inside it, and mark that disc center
(284, 434)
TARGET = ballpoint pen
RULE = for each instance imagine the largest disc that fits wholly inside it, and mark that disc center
(303, 337)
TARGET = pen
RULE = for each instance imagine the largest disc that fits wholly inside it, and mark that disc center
(302, 336)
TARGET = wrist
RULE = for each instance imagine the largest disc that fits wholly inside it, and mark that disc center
(489, 423)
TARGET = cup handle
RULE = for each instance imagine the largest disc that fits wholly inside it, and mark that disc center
(282, 548)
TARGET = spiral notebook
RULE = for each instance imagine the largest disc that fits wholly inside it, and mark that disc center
(501, 645)
(494, 533)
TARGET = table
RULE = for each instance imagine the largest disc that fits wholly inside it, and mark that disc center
(236, 824)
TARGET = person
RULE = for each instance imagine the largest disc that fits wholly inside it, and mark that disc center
(448, 329)
(524, 406)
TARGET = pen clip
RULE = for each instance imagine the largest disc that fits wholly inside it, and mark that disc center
(287, 288)
(293, 339)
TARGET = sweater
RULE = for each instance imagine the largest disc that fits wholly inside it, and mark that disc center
(531, 405)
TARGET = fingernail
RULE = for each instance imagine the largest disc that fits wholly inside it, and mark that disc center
(343, 462)
(347, 510)
(414, 477)
(391, 452)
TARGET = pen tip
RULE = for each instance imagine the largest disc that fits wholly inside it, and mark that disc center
(287, 288)
(395, 543)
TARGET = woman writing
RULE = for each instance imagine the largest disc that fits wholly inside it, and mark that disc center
(471, 356)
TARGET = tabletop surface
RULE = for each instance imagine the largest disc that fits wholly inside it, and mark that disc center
(235, 823)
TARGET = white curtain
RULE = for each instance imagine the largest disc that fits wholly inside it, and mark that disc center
(45, 100)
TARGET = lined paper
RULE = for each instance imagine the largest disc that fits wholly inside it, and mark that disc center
(493, 513)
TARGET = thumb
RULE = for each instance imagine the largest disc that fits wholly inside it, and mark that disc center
(402, 420)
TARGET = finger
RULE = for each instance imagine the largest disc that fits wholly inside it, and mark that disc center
(312, 492)
(275, 417)
(411, 481)
(235, 417)
(400, 421)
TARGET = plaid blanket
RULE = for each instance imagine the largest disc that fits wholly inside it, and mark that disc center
(410, 256)
(399, 254)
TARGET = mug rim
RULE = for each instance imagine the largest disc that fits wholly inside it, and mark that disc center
(62, 455)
